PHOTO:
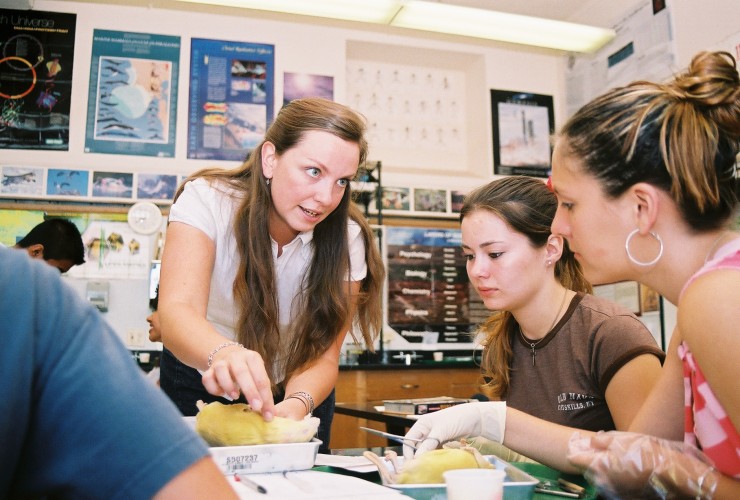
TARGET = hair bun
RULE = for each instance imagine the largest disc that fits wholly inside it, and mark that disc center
(711, 80)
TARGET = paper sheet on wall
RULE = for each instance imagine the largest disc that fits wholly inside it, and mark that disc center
(113, 250)
(642, 50)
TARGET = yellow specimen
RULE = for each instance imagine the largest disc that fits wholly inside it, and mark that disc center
(237, 425)
(428, 468)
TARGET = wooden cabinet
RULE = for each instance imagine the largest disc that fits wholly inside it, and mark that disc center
(360, 386)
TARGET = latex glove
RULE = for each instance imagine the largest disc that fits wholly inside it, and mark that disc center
(628, 465)
(465, 420)
(488, 447)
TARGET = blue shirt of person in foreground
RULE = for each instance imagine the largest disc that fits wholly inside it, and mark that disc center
(78, 417)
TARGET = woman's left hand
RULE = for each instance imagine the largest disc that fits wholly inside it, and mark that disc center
(624, 464)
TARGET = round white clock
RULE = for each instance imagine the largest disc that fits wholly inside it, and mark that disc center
(145, 217)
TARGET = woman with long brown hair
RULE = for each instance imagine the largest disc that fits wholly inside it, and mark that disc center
(268, 266)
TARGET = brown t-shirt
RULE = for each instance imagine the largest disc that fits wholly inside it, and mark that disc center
(576, 361)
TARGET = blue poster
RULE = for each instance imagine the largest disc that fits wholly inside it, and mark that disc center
(231, 98)
(133, 94)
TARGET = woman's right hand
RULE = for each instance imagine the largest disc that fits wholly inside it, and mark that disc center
(236, 370)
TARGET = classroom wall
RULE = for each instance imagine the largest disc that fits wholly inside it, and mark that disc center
(322, 49)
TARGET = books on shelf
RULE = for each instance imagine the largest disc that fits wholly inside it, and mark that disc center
(421, 406)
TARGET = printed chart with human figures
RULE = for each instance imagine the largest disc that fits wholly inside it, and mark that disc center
(133, 99)
(36, 60)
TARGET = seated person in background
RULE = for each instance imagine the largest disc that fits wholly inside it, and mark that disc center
(551, 349)
(646, 182)
(79, 418)
(155, 334)
(57, 241)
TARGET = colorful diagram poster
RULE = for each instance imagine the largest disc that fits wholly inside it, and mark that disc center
(36, 59)
(231, 98)
(113, 250)
(430, 299)
(133, 94)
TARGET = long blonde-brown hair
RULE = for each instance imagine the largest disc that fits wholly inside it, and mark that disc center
(527, 206)
(325, 297)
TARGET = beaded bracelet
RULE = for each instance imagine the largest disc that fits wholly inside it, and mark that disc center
(306, 397)
(213, 352)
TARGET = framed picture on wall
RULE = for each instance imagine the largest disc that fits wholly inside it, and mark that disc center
(522, 125)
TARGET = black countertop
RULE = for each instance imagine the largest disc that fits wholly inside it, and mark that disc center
(413, 360)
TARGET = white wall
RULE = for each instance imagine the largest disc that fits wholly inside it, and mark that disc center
(299, 48)
(321, 49)
(701, 25)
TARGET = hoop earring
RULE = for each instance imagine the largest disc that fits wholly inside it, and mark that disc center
(638, 262)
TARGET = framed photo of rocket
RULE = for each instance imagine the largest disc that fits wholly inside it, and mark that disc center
(523, 123)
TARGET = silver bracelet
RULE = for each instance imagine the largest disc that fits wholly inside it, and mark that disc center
(303, 401)
(213, 352)
(304, 396)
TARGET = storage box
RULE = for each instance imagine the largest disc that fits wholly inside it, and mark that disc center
(518, 485)
(263, 457)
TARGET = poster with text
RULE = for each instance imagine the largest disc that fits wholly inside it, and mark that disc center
(36, 59)
(133, 94)
(231, 98)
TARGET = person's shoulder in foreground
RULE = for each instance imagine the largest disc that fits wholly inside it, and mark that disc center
(79, 418)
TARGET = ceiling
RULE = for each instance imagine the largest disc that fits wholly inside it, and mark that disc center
(600, 13)
(603, 13)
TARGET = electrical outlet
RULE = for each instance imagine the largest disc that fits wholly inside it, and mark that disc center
(136, 337)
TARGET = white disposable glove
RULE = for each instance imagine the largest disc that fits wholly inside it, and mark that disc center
(487, 419)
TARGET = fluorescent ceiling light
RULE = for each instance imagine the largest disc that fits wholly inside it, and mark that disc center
(442, 18)
(368, 11)
(513, 28)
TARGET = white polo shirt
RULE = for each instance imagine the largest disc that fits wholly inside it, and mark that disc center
(211, 209)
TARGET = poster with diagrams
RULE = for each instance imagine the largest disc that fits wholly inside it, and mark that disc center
(409, 108)
(36, 60)
(430, 300)
(112, 250)
(231, 98)
(133, 94)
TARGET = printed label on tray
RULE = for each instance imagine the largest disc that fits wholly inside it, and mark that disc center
(241, 462)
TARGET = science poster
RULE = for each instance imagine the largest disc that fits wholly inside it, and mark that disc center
(522, 126)
(36, 60)
(231, 98)
(133, 94)
(430, 300)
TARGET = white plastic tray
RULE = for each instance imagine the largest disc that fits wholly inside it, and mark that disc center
(263, 457)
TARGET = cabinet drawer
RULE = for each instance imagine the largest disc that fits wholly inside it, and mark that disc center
(399, 384)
